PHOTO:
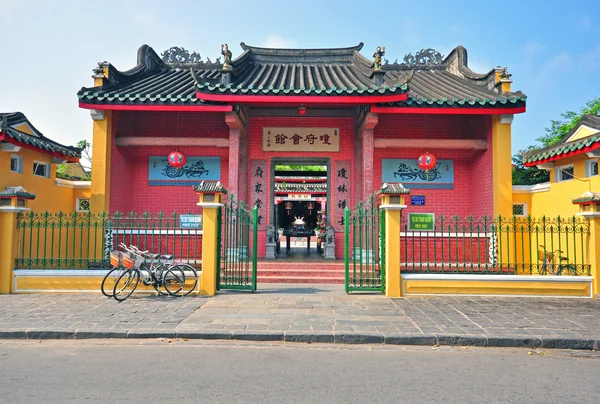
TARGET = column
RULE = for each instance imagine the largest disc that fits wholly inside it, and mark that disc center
(367, 160)
(101, 160)
(8, 246)
(393, 205)
(210, 228)
(234, 161)
(502, 165)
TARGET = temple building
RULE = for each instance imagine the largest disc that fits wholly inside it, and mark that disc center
(353, 122)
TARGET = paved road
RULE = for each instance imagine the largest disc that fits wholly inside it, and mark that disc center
(321, 312)
(152, 371)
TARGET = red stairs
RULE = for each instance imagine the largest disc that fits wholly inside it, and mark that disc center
(283, 271)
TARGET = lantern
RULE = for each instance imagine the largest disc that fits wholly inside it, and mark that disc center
(310, 206)
(176, 159)
(288, 207)
(426, 161)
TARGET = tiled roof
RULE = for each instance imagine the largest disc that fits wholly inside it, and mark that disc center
(342, 71)
(16, 192)
(210, 187)
(393, 189)
(588, 197)
(315, 72)
(8, 122)
(575, 147)
(294, 187)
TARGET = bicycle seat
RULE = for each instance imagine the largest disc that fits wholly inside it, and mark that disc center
(167, 257)
(154, 256)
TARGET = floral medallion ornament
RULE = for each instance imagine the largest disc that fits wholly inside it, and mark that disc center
(176, 159)
(426, 161)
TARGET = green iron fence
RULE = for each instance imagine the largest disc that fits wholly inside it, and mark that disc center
(486, 245)
(237, 263)
(364, 230)
(84, 240)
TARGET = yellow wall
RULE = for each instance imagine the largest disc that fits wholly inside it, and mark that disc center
(582, 132)
(558, 200)
(49, 196)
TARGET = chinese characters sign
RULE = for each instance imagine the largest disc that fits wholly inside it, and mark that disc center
(195, 171)
(258, 190)
(341, 193)
(190, 221)
(301, 139)
(410, 175)
(421, 221)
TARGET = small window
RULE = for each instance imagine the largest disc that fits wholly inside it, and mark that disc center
(16, 164)
(591, 168)
(520, 209)
(83, 205)
(41, 169)
(564, 173)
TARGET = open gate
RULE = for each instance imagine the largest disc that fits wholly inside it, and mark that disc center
(236, 266)
(364, 247)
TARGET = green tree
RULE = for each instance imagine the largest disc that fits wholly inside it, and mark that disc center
(62, 170)
(522, 175)
(560, 128)
(557, 131)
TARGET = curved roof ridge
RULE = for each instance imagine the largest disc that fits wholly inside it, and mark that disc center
(296, 51)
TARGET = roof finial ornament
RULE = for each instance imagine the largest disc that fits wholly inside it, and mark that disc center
(378, 55)
(504, 74)
(226, 56)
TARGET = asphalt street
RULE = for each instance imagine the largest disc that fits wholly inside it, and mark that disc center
(194, 371)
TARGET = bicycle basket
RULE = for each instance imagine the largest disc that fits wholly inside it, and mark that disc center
(116, 258)
(134, 261)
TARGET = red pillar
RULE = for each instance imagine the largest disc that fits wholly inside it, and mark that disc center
(366, 147)
(238, 153)
(234, 161)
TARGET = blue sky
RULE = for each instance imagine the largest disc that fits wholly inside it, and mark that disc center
(49, 48)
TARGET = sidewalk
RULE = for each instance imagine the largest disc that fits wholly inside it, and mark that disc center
(309, 313)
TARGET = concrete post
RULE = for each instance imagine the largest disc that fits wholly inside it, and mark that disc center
(8, 246)
(393, 277)
(210, 237)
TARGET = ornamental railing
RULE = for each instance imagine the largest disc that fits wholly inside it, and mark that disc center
(85, 240)
(500, 245)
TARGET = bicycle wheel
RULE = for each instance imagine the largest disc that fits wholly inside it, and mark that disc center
(191, 278)
(174, 280)
(108, 283)
(159, 271)
(126, 284)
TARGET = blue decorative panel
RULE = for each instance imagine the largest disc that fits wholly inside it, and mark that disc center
(406, 172)
(196, 170)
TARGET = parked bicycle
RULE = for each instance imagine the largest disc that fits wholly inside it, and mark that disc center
(554, 263)
(164, 274)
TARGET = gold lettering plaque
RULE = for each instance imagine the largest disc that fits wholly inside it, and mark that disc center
(301, 139)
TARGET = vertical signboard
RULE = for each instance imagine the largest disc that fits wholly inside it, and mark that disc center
(341, 193)
(258, 190)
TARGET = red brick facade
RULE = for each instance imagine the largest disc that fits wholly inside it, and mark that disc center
(129, 191)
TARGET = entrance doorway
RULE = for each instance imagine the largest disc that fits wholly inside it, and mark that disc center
(300, 195)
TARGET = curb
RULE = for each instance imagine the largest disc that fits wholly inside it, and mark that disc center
(517, 341)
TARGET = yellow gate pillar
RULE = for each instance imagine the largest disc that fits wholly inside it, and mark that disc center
(210, 201)
(589, 207)
(392, 201)
(9, 239)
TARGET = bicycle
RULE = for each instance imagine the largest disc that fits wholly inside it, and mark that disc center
(116, 260)
(554, 263)
(172, 278)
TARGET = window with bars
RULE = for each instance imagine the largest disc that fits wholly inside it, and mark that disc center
(16, 164)
(591, 168)
(520, 209)
(41, 169)
(564, 173)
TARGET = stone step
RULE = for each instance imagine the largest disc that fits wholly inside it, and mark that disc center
(299, 279)
(306, 273)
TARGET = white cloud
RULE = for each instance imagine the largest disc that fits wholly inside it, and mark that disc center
(589, 62)
(409, 32)
(585, 22)
(143, 18)
(276, 41)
